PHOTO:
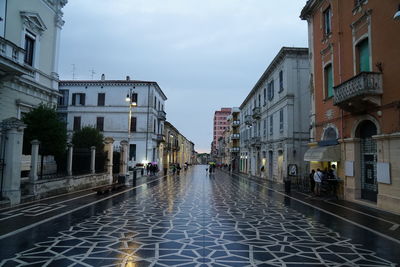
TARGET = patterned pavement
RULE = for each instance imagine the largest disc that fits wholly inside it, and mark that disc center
(197, 220)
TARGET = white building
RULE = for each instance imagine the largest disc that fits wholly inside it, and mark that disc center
(29, 48)
(274, 129)
(102, 104)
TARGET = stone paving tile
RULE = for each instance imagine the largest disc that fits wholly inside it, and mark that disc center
(198, 221)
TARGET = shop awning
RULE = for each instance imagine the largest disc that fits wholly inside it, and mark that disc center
(323, 153)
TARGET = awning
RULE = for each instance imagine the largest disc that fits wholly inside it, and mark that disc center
(323, 153)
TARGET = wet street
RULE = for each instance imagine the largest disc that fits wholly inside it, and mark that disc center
(194, 220)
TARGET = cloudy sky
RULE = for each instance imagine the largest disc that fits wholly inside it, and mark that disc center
(204, 54)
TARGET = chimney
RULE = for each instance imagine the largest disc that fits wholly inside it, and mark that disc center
(128, 78)
(103, 77)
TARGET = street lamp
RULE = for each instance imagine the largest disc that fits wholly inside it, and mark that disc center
(132, 103)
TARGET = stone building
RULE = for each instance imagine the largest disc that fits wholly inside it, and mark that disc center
(102, 104)
(29, 48)
(274, 127)
(219, 125)
(354, 51)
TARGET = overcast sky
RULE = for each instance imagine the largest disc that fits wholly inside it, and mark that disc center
(204, 54)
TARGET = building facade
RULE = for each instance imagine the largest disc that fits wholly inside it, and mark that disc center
(29, 47)
(354, 51)
(177, 148)
(219, 126)
(274, 128)
(103, 104)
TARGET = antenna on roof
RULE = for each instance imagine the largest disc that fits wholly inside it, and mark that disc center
(92, 73)
(73, 71)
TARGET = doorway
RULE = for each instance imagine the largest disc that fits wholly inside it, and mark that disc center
(368, 159)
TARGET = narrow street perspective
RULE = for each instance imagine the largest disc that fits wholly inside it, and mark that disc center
(199, 133)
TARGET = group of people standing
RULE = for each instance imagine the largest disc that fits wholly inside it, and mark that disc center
(152, 169)
(328, 177)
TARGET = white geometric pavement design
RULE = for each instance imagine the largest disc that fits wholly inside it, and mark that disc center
(197, 221)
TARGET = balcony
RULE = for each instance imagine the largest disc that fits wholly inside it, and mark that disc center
(12, 58)
(162, 115)
(248, 120)
(360, 93)
(235, 123)
(235, 136)
(257, 113)
(235, 149)
(255, 141)
(160, 138)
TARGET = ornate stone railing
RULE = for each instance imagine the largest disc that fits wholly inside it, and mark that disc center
(162, 115)
(365, 83)
(256, 112)
(248, 120)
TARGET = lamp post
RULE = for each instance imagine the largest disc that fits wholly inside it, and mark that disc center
(132, 103)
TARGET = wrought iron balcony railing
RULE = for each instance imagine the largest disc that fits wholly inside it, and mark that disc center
(162, 115)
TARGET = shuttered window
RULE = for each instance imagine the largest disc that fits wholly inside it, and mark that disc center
(133, 124)
(77, 123)
(101, 99)
(329, 81)
(100, 124)
(363, 56)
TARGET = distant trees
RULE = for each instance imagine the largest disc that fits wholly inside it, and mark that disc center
(88, 137)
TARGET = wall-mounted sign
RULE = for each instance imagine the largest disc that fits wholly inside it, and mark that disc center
(383, 173)
(292, 170)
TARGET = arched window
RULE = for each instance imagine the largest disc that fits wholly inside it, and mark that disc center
(330, 134)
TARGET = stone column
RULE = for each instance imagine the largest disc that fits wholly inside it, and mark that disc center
(34, 161)
(108, 147)
(13, 132)
(93, 159)
(123, 165)
(69, 158)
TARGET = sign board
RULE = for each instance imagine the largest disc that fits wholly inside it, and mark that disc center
(349, 168)
(292, 170)
(383, 173)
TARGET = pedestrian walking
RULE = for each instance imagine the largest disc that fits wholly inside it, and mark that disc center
(318, 180)
(312, 182)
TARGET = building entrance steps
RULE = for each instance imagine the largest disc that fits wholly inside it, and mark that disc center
(365, 216)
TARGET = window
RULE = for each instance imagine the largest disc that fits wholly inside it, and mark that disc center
(63, 100)
(133, 124)
(328, 81)
(281, 120)
(271, 124)
(29, 49)
(100, 124)
(280, 81)
(271, 90)
(155, 102)
(77, 123)
(327, 21)
(132, 152)
(101, 99)
(134, 99)
(265, 96)
(259, 100)
(265, 127)
(78, 99)
(363, 56)
(155, 126)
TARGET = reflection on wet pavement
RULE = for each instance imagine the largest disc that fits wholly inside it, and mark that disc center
(197, 220)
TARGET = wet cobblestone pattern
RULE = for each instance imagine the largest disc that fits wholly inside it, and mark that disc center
(196, 220)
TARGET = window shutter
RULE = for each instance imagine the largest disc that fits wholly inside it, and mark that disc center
(101, 99)
(83, 99)
(133, 124)
(73, 99)
(363, 50)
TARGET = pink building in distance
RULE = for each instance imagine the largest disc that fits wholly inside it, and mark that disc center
(220, 124)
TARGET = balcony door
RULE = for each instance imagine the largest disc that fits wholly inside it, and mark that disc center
(363, 56)
(368, 159)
